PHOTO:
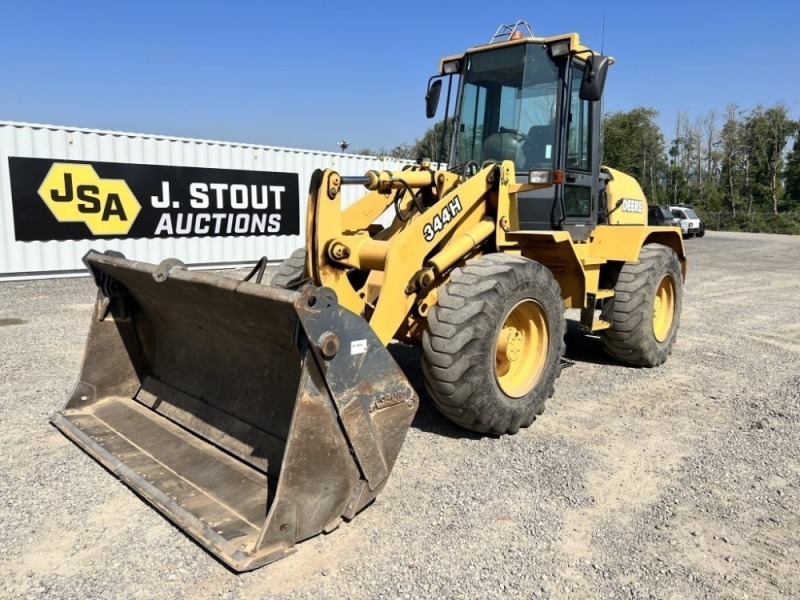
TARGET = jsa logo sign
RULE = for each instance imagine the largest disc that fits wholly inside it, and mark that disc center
(75, 194)
(70, 200)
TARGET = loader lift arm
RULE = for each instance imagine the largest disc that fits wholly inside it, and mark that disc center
(402, 262)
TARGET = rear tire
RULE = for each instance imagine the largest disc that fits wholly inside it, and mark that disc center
(493, 347)
(646, 308)
(290, 271)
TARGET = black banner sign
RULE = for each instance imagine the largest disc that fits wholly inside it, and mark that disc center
(69, 200)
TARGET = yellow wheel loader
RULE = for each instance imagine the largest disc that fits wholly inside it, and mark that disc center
(256, 416)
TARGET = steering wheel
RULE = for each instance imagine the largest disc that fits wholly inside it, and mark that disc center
(516, 132)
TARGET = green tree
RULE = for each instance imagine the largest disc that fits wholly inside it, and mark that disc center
(677, 170)
(709, 192)
(734, 165)
(693, 173)
(767, 133)
(633, 143)
(792, 175)
(435, 143)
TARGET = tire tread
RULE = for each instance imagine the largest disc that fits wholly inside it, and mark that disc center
(454, 344)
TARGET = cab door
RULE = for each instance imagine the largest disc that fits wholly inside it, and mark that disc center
(581, 159)
(573, 204)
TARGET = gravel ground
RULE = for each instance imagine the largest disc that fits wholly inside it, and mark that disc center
(676, 482)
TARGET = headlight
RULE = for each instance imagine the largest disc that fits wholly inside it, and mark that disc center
(545, 176)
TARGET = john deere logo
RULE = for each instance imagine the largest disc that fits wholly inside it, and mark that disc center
(75, 194)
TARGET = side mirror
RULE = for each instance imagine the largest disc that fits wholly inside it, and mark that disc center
(594, 77)
(432, 98)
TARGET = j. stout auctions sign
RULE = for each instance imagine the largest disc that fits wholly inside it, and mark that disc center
(65, 200)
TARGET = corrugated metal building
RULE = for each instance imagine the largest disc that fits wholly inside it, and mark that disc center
(35, 244)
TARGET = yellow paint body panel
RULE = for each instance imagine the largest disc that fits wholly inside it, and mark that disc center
(625, 200)
(403, 265)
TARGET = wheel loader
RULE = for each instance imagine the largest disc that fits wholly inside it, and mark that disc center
(256, 416)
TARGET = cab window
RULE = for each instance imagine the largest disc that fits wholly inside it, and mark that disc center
(579, 128)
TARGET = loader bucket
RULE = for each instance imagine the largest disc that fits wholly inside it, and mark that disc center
(253, 417)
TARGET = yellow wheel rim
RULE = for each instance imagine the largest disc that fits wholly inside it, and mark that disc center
(664, 308)
(521, 348)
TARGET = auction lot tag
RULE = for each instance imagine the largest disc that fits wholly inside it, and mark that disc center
(358, 347)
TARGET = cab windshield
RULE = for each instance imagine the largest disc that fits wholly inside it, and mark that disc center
(508, 109)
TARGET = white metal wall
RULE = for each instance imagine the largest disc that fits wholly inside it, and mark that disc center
(25, 260)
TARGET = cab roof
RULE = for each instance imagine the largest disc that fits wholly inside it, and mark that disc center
(573, 38)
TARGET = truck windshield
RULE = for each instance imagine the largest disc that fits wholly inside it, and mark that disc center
(508, 107)
(690, 214)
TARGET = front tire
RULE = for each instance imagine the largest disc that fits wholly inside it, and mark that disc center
(493, 347)
(290, 271)
(646, 308)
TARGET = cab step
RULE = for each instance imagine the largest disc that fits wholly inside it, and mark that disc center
(588, 322)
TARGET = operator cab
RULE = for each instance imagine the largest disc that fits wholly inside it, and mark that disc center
(536, 102)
